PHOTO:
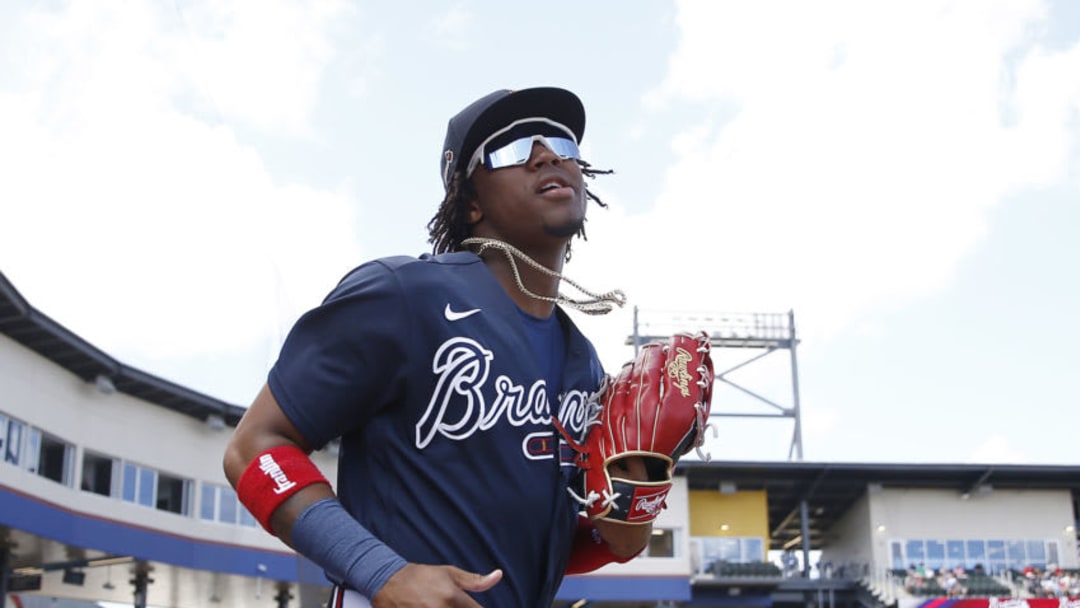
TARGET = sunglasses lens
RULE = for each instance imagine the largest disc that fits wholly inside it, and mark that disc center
(565, 148)
(518, 151)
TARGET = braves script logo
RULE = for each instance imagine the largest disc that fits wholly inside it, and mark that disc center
(458, 406)
(268, 465)
(677, 370)
(647, 503)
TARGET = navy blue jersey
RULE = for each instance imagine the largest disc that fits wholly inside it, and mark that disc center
(424, 368)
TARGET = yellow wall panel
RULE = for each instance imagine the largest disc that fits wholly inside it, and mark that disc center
(744, 514)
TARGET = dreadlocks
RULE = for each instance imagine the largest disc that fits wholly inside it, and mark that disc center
(448, 227)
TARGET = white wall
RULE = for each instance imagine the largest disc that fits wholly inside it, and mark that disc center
(940, 513)
(999, 514)
(863, 534)
(45, 396)
(850, 538)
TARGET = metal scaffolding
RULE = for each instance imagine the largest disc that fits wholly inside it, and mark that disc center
(761, 333)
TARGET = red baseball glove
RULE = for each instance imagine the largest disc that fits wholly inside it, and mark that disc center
(656, 408)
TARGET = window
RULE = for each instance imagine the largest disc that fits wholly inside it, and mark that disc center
(13, 441)
(146, 487)
(733, 549)
(31, 452)
(171, 494)
(219, 503)
(995, 552)
(97, 474)
(661, 543)
(228, 505)
(1052, 552)
(246, 518)
(37, 452)
(208, 502)
(916, 552)
(1017, 557)
(896, 552)
(55, 458)
(753, 549)
(130, 481)
(954, 550)
(935, 554)
(728, 549)
(976, 551)
(1036, 553)
(150, 488)
(994, 555)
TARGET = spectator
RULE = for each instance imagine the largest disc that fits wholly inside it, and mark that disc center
(951, 584)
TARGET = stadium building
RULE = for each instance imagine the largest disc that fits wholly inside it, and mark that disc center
(112, 492)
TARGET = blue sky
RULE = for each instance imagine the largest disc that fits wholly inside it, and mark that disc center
(182, 180)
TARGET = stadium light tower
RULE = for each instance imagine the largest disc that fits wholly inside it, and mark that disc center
(762, 333)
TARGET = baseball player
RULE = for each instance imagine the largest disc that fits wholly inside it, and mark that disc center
(445, 377)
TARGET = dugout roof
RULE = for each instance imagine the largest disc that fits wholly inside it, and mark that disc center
(33, 329)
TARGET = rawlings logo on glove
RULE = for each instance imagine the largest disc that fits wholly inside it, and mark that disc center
(678, 371)
(647, 417)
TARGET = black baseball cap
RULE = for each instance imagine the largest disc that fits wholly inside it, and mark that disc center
(471, 126)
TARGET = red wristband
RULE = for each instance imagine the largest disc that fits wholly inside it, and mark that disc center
(272, 477)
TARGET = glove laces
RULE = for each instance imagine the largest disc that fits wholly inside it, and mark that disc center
(593, 496)
(705, 381)
(704, 426)
(595, 304)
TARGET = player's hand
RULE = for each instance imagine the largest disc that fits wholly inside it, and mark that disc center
(421, 586)
(631, 467)
(625, 541)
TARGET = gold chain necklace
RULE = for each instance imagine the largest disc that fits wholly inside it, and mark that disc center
(596, 304)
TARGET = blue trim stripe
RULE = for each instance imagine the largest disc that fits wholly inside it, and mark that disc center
(49, 520)
(732, 601)
(61, 524)
(624, 588)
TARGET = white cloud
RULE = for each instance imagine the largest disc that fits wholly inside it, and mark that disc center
(451, 28)
(868, 144)
(260, 63)
(1047, 108)
(997, 449)
(121, 199)
(818, 429)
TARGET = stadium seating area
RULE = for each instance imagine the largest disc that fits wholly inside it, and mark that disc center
(751, 569)
(955, 583)
(981, 585)
(1051, 582)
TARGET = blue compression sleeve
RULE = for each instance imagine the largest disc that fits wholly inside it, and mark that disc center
(326, 534)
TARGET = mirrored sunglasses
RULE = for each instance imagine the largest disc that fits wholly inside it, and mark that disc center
(518, 151)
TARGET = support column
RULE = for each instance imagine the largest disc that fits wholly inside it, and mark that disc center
(283, 596)
(804, 522)
(140, 582)
(5, 572)
(797, 435)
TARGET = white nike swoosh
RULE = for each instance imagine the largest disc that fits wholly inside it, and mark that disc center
(452, 315)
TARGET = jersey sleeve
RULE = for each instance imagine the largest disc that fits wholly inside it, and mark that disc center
(344, 360)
